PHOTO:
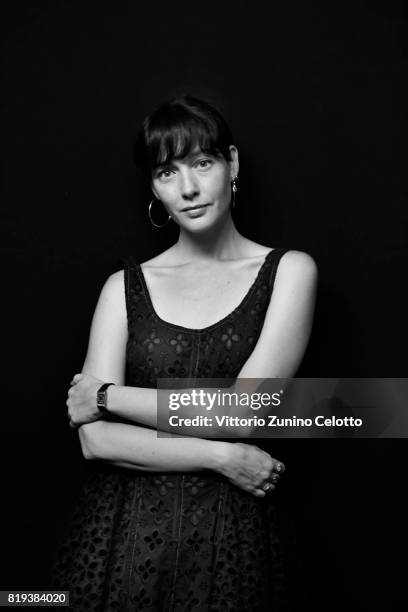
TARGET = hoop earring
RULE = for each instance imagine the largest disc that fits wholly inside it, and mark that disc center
(234, 188)
(151, 219)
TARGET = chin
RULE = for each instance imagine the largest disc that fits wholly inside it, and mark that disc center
(196, 228)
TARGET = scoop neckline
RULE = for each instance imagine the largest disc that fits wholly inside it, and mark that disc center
(213, 325)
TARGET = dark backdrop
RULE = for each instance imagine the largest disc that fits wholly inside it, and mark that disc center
(315, 95)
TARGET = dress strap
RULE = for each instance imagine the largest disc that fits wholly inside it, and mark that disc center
(133, 289)
(276, 256)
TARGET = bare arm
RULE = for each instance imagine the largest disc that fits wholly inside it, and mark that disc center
(245, 466)
(288, 321)
(141, 449)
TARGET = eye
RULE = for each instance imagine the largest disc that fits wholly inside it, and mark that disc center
(204, 164)
(164, 174)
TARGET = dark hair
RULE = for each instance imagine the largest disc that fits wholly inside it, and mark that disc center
(178, 126)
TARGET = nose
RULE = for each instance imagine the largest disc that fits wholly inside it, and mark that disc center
(188, 186)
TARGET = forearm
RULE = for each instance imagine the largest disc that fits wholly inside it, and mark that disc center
(140, 448)
(136, 404)
(204, 416)
(141, 405)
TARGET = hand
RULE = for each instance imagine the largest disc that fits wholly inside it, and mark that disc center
(81, 400)
(251, 469)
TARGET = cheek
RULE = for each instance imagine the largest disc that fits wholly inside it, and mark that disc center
(165, 193)
(220, 186)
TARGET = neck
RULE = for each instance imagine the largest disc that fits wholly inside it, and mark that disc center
(220, 242)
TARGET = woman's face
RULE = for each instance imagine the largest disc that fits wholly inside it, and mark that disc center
(196, 190)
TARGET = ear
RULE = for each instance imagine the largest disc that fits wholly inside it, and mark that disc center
(234, 163)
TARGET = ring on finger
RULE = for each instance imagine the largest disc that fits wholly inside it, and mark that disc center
(267, 486)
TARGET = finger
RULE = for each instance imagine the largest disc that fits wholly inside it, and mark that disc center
(262, 476)
(274, 478)
(268, 486)
(259, 493)
(279, 467)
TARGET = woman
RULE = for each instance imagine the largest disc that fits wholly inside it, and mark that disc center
(188, 523)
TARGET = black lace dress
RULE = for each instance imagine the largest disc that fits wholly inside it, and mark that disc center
(176, 541)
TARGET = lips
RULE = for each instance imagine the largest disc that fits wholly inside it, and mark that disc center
(194, 207)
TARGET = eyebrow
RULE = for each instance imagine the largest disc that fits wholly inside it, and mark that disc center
(163, 166)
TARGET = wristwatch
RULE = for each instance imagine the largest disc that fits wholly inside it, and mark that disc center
(101, 398)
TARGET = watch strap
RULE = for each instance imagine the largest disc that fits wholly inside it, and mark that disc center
(101, 397)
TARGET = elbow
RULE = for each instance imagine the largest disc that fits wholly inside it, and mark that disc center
(88, 437)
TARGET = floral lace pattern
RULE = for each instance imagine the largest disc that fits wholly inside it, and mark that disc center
(176, 542)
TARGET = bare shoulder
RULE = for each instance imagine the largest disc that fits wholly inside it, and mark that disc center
(113, 290)
(297, 266)
(115, 281)
(292, 263)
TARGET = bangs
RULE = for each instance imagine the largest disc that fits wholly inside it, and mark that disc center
(179, 127)
(178, 140)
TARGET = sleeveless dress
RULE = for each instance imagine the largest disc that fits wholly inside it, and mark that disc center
(176, 541)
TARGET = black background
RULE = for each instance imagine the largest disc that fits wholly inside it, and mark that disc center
(315, 96)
